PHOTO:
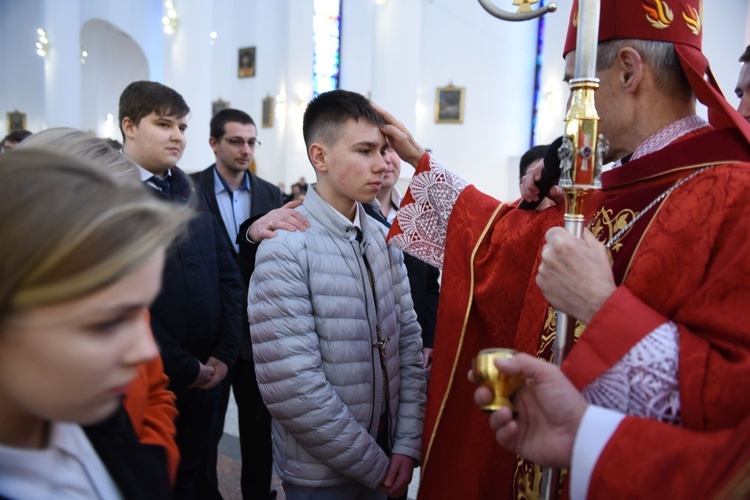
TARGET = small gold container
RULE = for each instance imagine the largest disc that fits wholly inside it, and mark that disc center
(502, 386)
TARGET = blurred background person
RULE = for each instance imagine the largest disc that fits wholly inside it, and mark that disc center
(13, 139)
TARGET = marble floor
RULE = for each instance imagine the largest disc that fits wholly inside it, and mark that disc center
(229, 462)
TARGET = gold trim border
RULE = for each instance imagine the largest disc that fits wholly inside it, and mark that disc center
(461, 340)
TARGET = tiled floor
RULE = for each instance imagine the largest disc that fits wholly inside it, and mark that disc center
(229, 470)
(229, 463)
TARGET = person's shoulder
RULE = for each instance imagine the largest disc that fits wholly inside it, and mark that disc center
(285, 241)
(204, 176)
(259, 182)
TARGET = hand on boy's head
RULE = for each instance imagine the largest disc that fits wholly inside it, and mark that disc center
(399, 138)
(285, 217)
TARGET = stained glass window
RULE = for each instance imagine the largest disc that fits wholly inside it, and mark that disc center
(326, 45)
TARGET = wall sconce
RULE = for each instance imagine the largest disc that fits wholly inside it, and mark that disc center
(170, 18)
(42, 46)
(84, 55)
(213, 36)
(109, 126)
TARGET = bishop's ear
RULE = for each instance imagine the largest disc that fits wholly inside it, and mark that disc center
(630, 66)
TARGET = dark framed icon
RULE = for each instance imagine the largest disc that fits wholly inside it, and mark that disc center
(218, 105)
(449, 104)
(16, 121)
(246, 64)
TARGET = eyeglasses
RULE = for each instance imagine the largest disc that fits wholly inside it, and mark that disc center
(239, 142)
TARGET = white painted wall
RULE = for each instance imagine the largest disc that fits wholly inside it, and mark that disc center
(112, 53)
(397, 53)
(21, 70)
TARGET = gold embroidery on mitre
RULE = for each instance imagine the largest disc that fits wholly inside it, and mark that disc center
(575, 20)
(693, 19)
(604, 224)
(658, 14)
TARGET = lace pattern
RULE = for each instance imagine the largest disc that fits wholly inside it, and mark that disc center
(668, 134)
(424, 223)
(644, 382)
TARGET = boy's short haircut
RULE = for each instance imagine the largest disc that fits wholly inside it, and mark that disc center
(225, 116)
(327, 112)
(142, 98)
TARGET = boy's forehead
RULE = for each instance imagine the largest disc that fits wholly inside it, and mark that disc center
(168, 116)
(361, 130)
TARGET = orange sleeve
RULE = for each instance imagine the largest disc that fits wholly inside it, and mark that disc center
(152, 410)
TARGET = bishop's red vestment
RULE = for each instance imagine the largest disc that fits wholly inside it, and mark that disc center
(682, 263)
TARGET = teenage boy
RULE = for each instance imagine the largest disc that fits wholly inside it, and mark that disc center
(197, 316)
(336, 343)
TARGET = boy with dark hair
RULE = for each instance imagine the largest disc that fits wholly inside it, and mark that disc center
(197, 316)
(336, 342)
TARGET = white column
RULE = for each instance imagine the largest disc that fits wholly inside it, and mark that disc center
(397, 51)
(188, 62)
(62, 69)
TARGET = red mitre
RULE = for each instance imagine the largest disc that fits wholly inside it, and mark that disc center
(679, 22)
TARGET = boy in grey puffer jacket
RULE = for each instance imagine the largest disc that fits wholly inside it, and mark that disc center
(336, 342)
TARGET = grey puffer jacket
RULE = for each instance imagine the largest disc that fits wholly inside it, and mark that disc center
(313, 324)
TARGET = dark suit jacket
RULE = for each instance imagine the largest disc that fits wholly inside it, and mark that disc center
(425, 289)
(138, 470)
(264, 197)
(198, 313)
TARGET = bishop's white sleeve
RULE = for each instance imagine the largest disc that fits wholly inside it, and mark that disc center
(594, 432)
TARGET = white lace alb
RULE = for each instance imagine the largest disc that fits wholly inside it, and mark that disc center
(424, 223)
(644, 383)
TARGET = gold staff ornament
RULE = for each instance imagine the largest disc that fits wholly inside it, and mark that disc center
(524, 12)
(580, 156)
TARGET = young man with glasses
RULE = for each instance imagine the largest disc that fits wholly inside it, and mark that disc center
(237, 195)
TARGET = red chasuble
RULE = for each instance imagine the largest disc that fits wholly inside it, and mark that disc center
(686, 260)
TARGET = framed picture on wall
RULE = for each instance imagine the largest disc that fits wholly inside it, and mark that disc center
(268, 110)
(218, 105)
(449, 104)
(16, 121)
(246, 62)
